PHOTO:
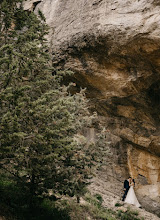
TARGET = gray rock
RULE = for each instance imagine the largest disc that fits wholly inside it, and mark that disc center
(114, 49)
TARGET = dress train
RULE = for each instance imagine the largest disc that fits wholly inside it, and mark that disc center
(131, 198)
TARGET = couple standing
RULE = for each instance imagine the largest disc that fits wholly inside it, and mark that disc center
(129, 194)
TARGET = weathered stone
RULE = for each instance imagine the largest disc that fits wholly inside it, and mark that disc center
(30, 5)
(114, 49)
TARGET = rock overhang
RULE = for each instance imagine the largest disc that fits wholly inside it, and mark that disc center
(114, 48)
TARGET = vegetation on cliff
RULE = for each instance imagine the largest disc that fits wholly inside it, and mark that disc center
(44, 155)
(41, 122)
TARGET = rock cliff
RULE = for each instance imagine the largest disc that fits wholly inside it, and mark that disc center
(114, 49)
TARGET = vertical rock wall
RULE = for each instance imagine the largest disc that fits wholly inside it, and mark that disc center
(114, 49)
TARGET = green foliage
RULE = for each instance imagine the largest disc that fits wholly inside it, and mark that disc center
(99, 198)
(128, 215)
(95, 209)
(14, 204)
(17, 207)
(96, 200)
(41, 122)
(118, 204)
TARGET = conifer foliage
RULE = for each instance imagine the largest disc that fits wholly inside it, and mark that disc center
(39, 119)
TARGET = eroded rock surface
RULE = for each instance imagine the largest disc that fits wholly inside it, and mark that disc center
(114, 49)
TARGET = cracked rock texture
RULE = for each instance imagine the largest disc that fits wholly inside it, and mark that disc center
(113, 46)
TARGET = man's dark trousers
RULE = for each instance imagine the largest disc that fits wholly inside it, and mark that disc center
(126, 187)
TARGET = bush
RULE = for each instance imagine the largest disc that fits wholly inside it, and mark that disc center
(128, 215)
(95, 208)
(99, 198)
(118, 205)
(15, 204)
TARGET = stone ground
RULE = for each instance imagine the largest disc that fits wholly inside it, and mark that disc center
(110, 199)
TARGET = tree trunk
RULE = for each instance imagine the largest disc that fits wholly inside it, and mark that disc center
(78, 199)
(32, 192)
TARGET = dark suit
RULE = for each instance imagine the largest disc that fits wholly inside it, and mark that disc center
(126, 187)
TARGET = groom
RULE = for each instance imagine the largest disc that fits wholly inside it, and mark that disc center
(126, 188)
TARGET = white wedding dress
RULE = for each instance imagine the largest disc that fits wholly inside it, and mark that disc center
(131, 198)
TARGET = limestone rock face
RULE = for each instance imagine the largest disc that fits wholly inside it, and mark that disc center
(30, 5)
(114, 49)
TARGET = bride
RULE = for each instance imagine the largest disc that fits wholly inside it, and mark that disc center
(131, 197)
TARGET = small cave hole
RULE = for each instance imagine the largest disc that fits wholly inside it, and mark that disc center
(154, 94)
(35, 4)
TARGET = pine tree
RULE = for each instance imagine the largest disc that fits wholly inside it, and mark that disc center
(40, 121)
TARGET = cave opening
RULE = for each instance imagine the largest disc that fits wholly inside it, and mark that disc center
(153, 95)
